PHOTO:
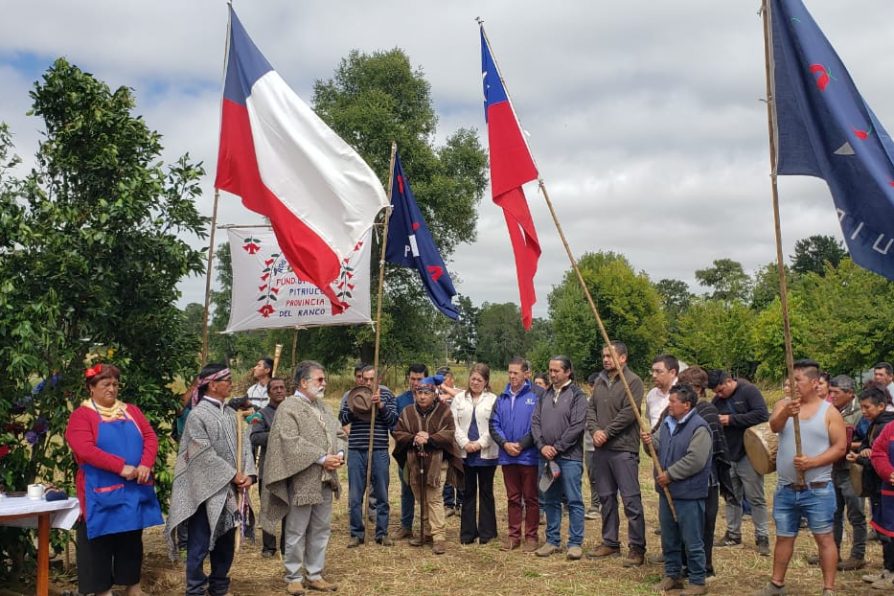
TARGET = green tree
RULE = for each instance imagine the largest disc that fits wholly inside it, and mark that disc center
(812, 254)
(628, 303)
(766, 285)
(768, 339)
(90, 257)
(728, 280)
(715, 334)
(372, 100)
(500, 334)
(464, 331)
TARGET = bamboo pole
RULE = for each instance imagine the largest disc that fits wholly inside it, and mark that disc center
(277, 353)
(372, 421)
(295, 350)
(632, 401)
(208, 275)
(777, 227)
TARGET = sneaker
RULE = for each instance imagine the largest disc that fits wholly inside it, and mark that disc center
(603, 551)
(510, 544)
(592, 513)
(727, 540)
(871, 578)
(669, 583)
(575, 553)
(546, 550)
(403, 533)
(884, 582)
(694, 590)
(763, 546)
(320, 585)
(385, 541)
(770, 589)
(355, 541)
(295, 588)
(634, 558)
(439, 547)
(530, 546)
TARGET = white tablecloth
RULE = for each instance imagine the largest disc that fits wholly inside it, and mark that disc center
(64, 513)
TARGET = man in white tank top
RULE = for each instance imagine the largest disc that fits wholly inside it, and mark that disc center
(805, 482)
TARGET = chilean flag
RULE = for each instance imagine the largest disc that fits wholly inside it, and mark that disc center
(288, 165)
(511, 165)
(413, 245)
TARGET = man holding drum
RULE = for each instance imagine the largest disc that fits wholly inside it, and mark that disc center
(741, 406)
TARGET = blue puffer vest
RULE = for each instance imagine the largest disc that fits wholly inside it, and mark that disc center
(672, 447)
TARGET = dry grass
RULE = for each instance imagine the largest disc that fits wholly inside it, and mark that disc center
(402, 569)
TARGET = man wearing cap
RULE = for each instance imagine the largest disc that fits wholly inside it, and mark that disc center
(424, 438)
(841, 392)
(358, 413)
(415, 373)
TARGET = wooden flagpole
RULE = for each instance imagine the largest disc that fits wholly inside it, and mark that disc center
(780, 263)
(208, 275)
(632, 401)
(372, 419)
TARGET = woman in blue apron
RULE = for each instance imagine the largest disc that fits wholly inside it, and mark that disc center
(115, 448)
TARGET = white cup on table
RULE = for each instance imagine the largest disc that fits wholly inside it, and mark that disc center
(35, 491)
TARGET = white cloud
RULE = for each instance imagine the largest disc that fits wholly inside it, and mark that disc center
(644, 116)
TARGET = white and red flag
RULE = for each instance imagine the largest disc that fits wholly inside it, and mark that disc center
(285, 162)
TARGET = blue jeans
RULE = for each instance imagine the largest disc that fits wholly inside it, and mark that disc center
(357, 488)
(567, 485)
(197, 549)
(816, 504)
(687, 532)
(407, 505)
(453, 497)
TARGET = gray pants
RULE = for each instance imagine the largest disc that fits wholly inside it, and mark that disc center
(618, 471)
(845, 497)
(306, 536)
(591, 477)
(746, 482)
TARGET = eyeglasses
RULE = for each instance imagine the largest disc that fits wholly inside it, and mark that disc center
(320, 379)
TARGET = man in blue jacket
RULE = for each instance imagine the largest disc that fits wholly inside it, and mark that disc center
(510, 428)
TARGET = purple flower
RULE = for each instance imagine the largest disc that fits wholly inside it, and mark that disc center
(31, 437)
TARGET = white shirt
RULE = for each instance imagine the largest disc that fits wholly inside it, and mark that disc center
(656, 401)
(257, 395)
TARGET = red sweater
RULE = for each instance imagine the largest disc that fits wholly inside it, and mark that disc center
(81, 433)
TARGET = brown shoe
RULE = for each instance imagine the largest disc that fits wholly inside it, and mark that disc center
(634, 558)
(669, 583)
(439, 547)
(603, 551)
(295, 588)
(509, 544)
(694, 590)
(851, 564)
(321, 585)
(530, 546)
(403, 534)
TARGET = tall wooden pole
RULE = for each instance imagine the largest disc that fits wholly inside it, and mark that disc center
(605, 338)
(372, 419)
(780, 263)
(208, 275)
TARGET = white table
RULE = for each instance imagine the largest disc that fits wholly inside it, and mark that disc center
(23, 512)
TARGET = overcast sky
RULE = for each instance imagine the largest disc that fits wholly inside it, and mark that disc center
(644, 117)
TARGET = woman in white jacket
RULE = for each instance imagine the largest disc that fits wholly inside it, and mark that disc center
(471, 412)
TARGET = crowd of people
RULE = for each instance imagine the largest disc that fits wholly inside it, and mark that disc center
(542, 431)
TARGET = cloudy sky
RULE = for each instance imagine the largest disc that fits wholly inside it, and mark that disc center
(644, 117)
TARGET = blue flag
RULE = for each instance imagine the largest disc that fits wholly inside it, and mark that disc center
(410, 244)
(825, 129)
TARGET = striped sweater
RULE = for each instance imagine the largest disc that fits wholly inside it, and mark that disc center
(386, 417)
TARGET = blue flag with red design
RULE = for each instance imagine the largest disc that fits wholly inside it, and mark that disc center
(410, 244)
(825, 129)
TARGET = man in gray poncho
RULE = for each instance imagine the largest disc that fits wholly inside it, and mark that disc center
(305, 448)
(204, 494)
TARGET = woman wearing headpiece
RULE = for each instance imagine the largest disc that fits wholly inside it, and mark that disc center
(206, 482)
(115, 449)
